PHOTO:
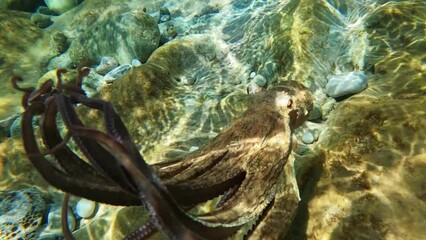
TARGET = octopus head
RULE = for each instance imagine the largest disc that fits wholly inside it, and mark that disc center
(294, 99)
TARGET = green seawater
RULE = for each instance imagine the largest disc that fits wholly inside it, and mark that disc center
(364, 176)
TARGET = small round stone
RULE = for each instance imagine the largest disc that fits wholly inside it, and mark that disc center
(316, 113)
(136, 63)
(260, 80)
(346, 84)
(85, 208)
(252, 74)
(316, 134)
(308, 137)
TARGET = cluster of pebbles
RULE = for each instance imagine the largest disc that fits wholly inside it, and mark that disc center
(106, 72)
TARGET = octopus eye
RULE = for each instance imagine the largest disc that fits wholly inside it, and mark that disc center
(290, 103)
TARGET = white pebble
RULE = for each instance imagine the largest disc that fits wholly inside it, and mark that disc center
(252, 74)
(308, 137)
(193, 148)
(136, 63)
(85, 208)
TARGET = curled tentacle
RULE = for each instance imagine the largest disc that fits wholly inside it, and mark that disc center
(59, 73)
(100, 158)
(82, 72)
(87, 186)
(42, 93)
(27, 90)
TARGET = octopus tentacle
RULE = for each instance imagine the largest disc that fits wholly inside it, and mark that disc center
(143, 232)
(188, 195)
(100, 158)
(41, 93)
(64, 218)
(114, 126)
(88, 187)
(27, 90)
(68, 160)
(158, 201)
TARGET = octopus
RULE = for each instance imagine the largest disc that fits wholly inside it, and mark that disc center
(248, 167)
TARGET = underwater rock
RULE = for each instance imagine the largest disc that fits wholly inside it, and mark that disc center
(253, 88)
(327, 107)
(117, 73)
(25, 50)
(58, 42)
(21, 213)
(316, 113)
(155, 15)
(126, 220)
(345, 84)
(256, 84)
(93, 83)
(21, 5)
(165, 18)
(308, 137)
(168, 32)
(118, 31)
(193, 148)
(5, 125)
(46, 11)
(260, 80)
(61, 61)
(61, 6)
(106, 65)
(85, 208)
(15, 127)
(165, 15)
(41, 20)
(136, 63)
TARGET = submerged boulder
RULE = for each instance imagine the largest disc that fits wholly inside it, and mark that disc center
(121, 31)
(345, 84)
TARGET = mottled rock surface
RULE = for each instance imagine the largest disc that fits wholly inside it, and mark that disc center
(120, 30)
(25, 50)
(21, 214)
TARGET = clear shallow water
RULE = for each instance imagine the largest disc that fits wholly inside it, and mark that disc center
(367, 180)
